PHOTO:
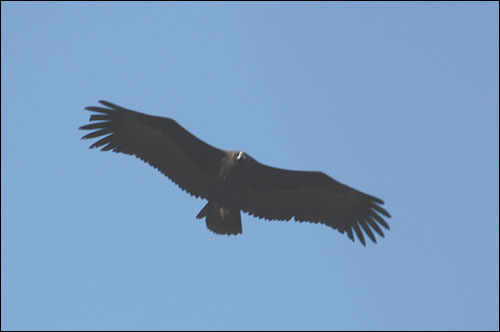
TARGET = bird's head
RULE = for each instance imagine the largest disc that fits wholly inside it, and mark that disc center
(239, 159)
(241, 155)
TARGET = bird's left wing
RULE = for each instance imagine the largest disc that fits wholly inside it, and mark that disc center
(161, 142)
(280, 194)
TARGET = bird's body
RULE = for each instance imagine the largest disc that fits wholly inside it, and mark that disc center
(232, 181)
(222, 211)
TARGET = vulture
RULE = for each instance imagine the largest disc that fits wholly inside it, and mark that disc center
(233, 181)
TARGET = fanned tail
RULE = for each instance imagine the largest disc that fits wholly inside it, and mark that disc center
(221, 220)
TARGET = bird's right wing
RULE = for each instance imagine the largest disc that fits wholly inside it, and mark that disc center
(161, 142)
(280, 194)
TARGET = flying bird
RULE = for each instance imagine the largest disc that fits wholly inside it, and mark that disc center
(232, 181)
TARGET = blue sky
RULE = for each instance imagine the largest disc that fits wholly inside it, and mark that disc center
(399, 100)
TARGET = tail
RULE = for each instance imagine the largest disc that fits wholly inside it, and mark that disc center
(221, 220)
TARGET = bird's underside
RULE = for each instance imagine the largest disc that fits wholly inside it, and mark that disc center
(232, 181)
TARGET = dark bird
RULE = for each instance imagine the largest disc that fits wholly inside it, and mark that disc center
(232, 181)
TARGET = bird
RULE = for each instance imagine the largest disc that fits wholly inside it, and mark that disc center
(232, 181)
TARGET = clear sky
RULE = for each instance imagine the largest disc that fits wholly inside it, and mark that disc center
(399, 100)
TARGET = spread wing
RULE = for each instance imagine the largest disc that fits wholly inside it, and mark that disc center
(161, 142)
(279, 194)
